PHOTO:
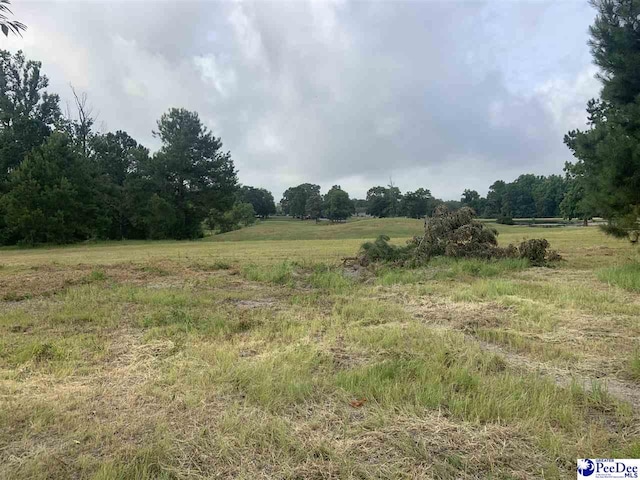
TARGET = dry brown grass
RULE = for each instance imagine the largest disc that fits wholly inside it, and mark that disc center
(182, 367)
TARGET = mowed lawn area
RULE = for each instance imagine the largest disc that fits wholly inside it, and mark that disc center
(256, 354)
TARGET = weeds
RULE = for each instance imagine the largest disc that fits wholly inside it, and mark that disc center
(624, 276)
(634, 364)
(281, 273)
(307, 370)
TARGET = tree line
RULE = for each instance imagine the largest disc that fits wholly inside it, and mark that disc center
(62, 182)
(305, 201)
(604, 179)
(526, 197)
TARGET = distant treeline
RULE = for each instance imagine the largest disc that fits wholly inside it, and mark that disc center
(527, 196)
(62, 182)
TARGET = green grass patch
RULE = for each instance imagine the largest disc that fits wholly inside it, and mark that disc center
(195, 372)
(97, 275)
(634, 364)
(624, 276)
(281, 273)
(364, 311)
(331, 279)
(399, 276)
(474, 267)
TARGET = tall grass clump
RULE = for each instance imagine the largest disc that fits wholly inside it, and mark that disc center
(477, 267)
(281, 273)
(634, 364)
(624, 276)
(329, 279)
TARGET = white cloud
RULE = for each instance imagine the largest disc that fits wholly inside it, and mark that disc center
(443, 95)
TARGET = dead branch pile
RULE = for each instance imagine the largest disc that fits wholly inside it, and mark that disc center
(453, 234)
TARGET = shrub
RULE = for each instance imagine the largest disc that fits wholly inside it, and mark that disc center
(535, 250)
(505, 220)
(381, 250)
(240, 215)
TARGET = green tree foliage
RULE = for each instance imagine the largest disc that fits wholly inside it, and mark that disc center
(495, 199)
(472, 199)
(615, 35)
(452, 205)
(574, 203)
(60, 182)
(6, 25)
(159, 218)
(377, 202)
(294, 199)
(360, 205)
(519, 200)
(51, 196)
(416, 204)
(193, 173)
(338, 205)
(393, 197)
(28, 113)
(260, 198)
(240, 215)
(244, 214)
(608, 152)
(313, 208)
(118, 161)
(548, 194)
(527, 196)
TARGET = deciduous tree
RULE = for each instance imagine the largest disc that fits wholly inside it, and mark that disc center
(28, 113)
(338, 206)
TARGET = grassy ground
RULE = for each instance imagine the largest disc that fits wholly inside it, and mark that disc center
(255, 355)
(282, 228)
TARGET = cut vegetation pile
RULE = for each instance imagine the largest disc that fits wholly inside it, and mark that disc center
(457, 235)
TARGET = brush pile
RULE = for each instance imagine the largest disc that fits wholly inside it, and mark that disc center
(453, 234)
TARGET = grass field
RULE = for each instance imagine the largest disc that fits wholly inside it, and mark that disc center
(254, 354)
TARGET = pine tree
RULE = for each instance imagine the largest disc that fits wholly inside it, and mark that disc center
(608, 152)
(192, 171)
(51, 197)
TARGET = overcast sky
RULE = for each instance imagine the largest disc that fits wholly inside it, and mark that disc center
(444, 95)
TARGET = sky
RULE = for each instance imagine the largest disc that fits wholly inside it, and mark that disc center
(444, 95)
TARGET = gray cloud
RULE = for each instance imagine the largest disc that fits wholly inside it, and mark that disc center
(445, 95)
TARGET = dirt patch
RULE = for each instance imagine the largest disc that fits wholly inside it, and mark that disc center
(437, 447)
(465, 316)
(251, 304)
(36, 283)
(624, 391)
(46, 280)
(468, 317)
